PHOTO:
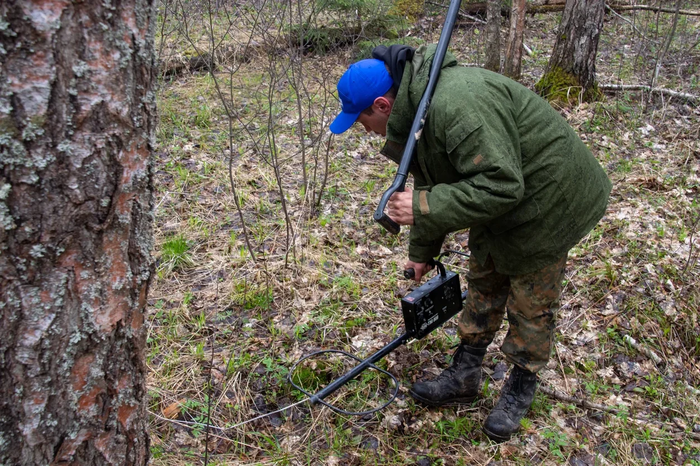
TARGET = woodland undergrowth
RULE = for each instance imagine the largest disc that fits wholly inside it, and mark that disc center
(622, 386)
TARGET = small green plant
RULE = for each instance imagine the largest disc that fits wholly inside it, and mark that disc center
(300, 330)
(198, 350)
(202, 117)
(350, 324)
(175, 254)
(556, 441)
(259, 300)
(452, 430)
(347, 284)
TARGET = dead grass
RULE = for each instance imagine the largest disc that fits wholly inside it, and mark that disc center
(224, 330)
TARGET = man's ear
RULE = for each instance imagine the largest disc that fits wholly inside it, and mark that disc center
(382, 105)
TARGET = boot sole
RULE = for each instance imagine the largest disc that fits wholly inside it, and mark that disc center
(496, 437)
(437, 404)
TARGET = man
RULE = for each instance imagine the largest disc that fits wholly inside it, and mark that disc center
(496, 158)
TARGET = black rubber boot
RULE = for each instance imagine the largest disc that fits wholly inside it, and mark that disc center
(516, 398)
(458, 384)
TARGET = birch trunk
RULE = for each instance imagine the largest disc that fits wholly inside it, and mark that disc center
(571, 70)
(512, 64)
(493, 36)
(77, 127)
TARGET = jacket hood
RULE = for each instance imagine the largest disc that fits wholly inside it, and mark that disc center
(413, 84)
(395, 58)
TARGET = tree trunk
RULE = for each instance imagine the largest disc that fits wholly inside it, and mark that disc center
(570, 74)
(493, 36)
(514, 49)
(77, 127)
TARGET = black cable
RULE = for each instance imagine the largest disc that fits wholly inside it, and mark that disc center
(338, 410)
(447, 252)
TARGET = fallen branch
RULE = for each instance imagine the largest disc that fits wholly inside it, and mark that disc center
(656, 358)
(578, 402)
(642, 87)
(644, 350)
(560, 7)
(478, 9)
(654, 8)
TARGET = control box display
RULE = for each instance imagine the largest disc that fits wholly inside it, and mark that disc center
(432, 304)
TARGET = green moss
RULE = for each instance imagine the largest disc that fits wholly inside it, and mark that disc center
(8, 129)
(564, 88)
(411, 9)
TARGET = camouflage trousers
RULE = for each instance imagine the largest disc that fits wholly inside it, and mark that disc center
(532, 301)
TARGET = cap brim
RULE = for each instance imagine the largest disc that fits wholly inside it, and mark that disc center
(343, 122)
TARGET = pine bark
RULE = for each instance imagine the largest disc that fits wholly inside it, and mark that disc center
(576, 45)
(512, 65)
(77, 120)
(493, 36)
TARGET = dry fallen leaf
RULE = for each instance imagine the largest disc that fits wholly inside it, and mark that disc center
(173, 410)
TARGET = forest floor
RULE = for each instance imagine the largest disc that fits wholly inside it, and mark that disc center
(622, 383)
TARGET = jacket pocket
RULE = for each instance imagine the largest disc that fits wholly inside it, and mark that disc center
(526, 211)
(459, 130)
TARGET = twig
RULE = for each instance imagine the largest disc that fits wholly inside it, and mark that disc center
(561, 366)
(578, 402)
(690, 252)
(664, 50)
(634, 28)
(463, 15)
(642, 87)
(211, 369)
(644, 350)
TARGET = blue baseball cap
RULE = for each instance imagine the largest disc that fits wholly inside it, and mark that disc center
(363, 82)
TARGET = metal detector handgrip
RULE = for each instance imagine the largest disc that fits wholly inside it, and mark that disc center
(418, 121)
(379, 216)
(410, 273)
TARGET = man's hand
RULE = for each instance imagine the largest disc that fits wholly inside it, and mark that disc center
(400, 207)
(420, 268)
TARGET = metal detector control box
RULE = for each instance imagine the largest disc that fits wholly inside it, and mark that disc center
(432, 304)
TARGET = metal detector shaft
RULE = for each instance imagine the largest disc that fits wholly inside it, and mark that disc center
(336, 384)
(357, 370)
(418, 121)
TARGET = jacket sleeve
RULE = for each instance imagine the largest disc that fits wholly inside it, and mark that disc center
(485, 155)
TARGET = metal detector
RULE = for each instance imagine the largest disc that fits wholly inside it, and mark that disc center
(418, 121)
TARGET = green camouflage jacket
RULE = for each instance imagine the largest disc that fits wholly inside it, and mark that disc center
(498, 159)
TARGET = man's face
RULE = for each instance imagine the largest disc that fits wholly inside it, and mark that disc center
(376, 121)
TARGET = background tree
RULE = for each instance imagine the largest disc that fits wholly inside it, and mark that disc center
(493, 35)
(514, 49)
(570, 74)
(76, 135)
